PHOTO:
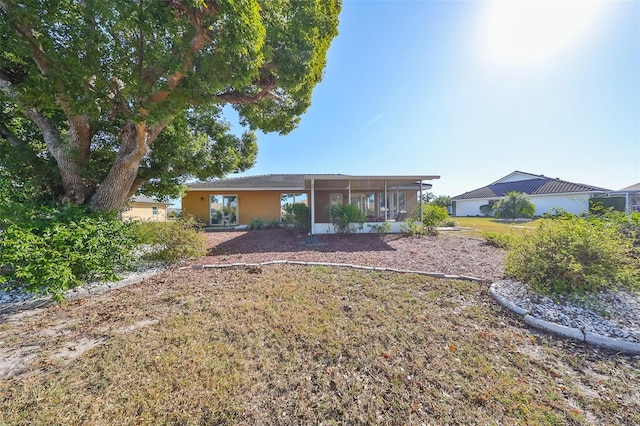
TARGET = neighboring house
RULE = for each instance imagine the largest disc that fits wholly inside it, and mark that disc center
(145, 209)
(237, 201)
(546, 193)
(631, 197)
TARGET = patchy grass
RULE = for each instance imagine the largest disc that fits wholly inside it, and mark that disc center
(305, 345)
(478, 225)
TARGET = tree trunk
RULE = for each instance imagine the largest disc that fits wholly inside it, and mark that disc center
(70, 156)
(115, 189)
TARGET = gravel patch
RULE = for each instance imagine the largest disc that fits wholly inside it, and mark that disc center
(614, 314)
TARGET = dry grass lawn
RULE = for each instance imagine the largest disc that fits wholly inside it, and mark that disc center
(478, 225)
(304, 345)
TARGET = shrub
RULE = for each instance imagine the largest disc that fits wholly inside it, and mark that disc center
(432, 216)
(380, 229)
(500, 240)
(573, 255)
(299, 215)
(256, 224)
(515, 205)
(174, 241)
(486, 209)
(346, 218)
(61, 247)
(413, 226)
(275, 223)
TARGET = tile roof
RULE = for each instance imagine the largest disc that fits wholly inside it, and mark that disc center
(538, 186)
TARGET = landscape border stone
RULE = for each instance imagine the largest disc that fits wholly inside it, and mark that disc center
(612, 343)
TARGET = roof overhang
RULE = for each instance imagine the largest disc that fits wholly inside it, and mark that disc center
(248, 188)
(368, 182)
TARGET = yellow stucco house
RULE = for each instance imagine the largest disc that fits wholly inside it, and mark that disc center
(145, 209)
(227, 203)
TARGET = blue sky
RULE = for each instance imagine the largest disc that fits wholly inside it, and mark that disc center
(471, 91)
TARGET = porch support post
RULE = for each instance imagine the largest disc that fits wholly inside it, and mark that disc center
(313, 206)
(349, 188)
(386, 202)
(420, 204)
(627, 208)
(397, 201)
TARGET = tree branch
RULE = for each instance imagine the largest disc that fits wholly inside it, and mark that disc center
(9, 136)
(197, 43)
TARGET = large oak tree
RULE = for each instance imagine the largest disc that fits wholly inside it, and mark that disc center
(103, 99)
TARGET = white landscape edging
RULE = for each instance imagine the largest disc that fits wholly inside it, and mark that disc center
(619, 345)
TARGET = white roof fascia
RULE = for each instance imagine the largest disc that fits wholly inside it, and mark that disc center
(257, 188)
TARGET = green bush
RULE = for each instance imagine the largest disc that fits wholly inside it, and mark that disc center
(380, 229)
(432, 216)
(257, 224)
(61, 248)
(515, 205)
(275, 223)
(173, 241)
(574, 255)
(298, 215)
(486, 209)
(500, 240)
(413, 226)
(346, 218)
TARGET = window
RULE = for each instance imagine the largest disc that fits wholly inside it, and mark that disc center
(154, 210)
(366, 202)
(397, 203)
(223, 209)
(289, 199)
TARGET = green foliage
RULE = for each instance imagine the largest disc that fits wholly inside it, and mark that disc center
(442, 201)
(82, 81)
(173, 241)
(413, 226)
(500, 239)
(257, 224)
(558, 213)
(600, 205)
(515, 205)
(346, 218)
(380, 229)
(433, 216)
(486, 209)
(275, 223)
(51, 248)
(298, 215)
(574, 255)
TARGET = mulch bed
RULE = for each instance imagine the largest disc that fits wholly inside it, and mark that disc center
(445, 253)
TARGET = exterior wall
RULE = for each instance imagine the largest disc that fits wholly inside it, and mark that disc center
(263, 205)
(327, 228)
(576, 204)
(469, 207)
(144, 212)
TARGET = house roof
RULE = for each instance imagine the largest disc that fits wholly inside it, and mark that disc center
(145, 200)
(631, 188)
(530, 184)
(273, 181)
(301, 182)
